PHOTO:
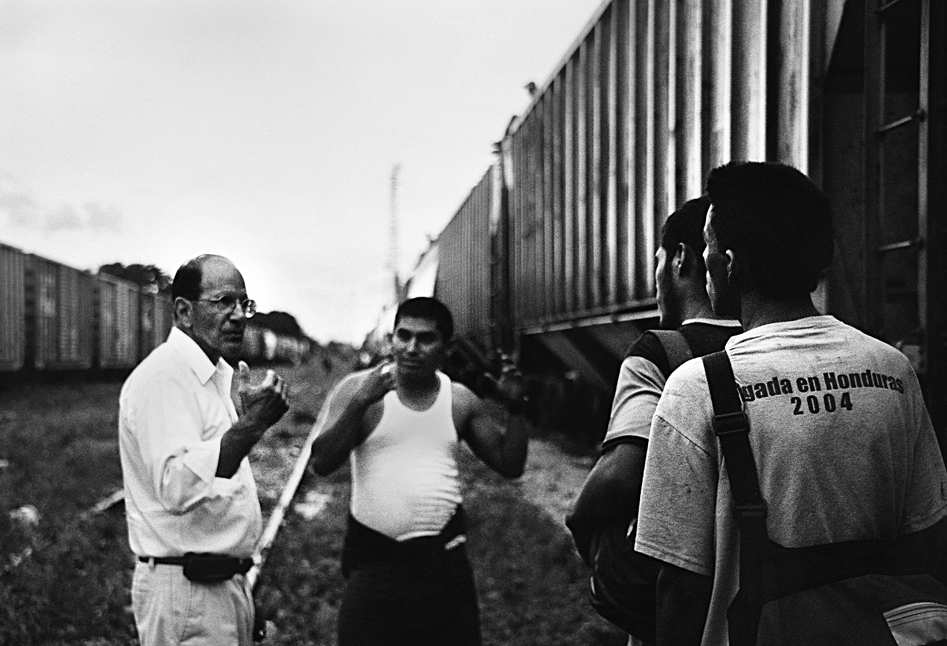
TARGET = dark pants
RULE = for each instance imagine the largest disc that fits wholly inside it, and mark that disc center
(411, 593)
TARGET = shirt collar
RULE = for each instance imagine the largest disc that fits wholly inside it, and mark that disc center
(709, 321)
(195, 357)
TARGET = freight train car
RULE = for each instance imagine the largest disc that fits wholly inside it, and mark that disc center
(58, 316)
(12, 309)
(464, 278)
(117, 322)
(155, 320)
(58, 319)
(552, 254)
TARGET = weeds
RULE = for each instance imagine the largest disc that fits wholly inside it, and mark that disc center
(58, 451)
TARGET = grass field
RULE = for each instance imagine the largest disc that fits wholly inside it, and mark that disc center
(59, 443)
(67, 580)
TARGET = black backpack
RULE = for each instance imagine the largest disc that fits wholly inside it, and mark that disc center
(623, 582)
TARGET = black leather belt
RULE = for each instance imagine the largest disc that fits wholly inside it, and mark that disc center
(162, 560)
(241, 564)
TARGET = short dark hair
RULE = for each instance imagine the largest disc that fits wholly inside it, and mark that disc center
(777, 220)
(686, 225)
(430, 309)
(187, 279)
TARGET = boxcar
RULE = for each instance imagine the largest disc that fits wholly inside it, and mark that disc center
(55, 318)
(117, 322)
(463, 256)
(12, 309)
(650, 97)
(58, 316)
(155, 318)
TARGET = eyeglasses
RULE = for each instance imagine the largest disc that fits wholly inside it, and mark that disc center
(228, 303)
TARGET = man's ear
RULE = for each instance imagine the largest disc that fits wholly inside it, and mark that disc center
(184, 311)
(734, 267)
(684, 260)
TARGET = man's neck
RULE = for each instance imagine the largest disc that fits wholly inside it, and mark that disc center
(755, 310)
(697, 306)
(212, 354)
(417, 392)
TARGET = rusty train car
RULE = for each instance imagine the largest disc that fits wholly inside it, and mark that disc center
(551, 255)
(58, 319)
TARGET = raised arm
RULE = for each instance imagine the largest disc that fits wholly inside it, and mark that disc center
(495, 431)
(340, 426)
(262, 406)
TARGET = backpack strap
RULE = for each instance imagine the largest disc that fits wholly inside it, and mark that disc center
(676, 347)
(732, 429)
(788, 570)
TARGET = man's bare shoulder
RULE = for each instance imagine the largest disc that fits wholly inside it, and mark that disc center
(350, 383)
(463, 399)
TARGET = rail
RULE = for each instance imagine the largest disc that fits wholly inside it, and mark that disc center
(279, 512)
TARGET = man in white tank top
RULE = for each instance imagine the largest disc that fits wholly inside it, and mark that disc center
(408, 577)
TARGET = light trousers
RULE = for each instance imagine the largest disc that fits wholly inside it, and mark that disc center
(170, 609)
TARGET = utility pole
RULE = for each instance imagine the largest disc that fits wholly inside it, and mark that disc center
(393, 232)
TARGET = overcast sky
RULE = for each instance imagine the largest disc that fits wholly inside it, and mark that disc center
(153, 131)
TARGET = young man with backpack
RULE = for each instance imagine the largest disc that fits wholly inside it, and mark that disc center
(608, 501)
(851, 483)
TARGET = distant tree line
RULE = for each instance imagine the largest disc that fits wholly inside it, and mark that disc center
(149, 277)
(279, 322)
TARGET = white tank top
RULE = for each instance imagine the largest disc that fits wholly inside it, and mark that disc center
(404, 475)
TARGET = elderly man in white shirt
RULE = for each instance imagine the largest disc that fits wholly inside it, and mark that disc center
(190, 498)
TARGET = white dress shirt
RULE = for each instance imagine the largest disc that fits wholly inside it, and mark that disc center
(174, 409)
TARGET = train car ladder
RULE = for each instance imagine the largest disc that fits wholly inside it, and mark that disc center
(904, 177)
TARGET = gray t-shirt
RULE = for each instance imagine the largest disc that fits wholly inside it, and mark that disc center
(843, 444)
